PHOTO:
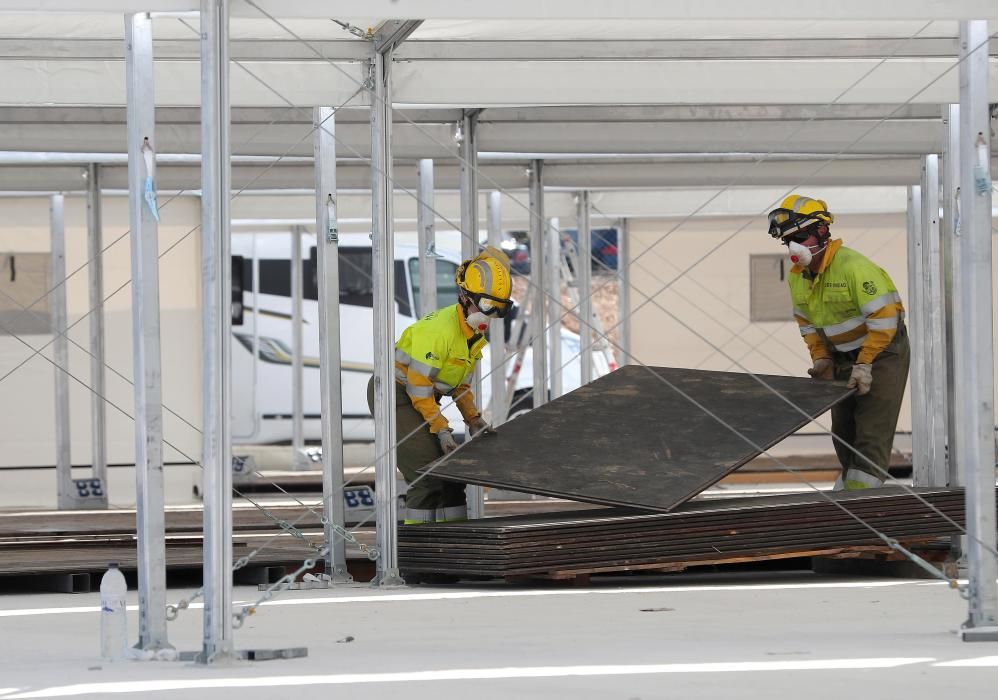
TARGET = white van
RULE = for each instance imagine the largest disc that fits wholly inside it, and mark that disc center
(261, 384)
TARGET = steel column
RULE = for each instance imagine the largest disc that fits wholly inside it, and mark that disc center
(538, 340)
(624, 292)
(98, 384)
(584, 280)
(469, 249)
(299, 460)
(147, 364)
(972, 339)
(950, 255)
(555, 309)
(60, 353)
(330, 378)
(932, 325)
(383, 263)
(919, 399)
(497, 327)
(426, 228)
(216, 175)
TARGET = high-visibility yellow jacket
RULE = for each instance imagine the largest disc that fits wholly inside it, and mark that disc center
(849, 304)
(435, 356)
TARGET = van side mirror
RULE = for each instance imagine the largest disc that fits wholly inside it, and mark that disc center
(237, 290)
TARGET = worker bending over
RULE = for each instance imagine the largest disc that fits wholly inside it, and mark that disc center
(852, 319)
(435, 357)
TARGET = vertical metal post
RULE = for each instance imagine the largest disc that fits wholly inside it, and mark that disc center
(538, 341)
(624, 291)
(972, 339)
(556, 311)
(383, 263)
(148, 379)
(216, 176)
(932, 325)
(584, 282)
(469, 249)
(950, 255)
(98, 383)
(330, 378)
(497, 327)
(919, 399)
(425, 224)
(60, 354)
(299, 460)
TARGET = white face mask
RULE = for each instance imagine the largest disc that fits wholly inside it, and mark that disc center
(802, 255)
(478, 321)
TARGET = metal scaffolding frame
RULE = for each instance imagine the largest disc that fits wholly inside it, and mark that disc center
(538, 226)
(584, 281)
(426, 232)
(497, 326)
(143, 219)
(60, 352)
(552, 259)
(95, 279)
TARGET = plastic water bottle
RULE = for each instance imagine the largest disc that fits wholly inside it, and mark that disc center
(113, 623)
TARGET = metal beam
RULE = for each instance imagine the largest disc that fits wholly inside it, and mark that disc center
(919, 359)
(950, 255)
(469, 249)
(216, 288)
(383, 282)
(330, 370)
(426, 230)
(60, 353)
(392, 32)
(538, 341)
(497, 327)
(584, 282)
(972, 337)
(624, 292)
(98, 384)
(552, 274)
(932, 325)
(143, 222)
(300, 460)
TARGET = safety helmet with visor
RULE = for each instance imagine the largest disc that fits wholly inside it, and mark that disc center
(794, 218)
(486, 282)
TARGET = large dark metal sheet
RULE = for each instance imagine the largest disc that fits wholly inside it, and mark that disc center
(646, 437)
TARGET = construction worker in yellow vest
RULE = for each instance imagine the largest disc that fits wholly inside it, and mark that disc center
(851, 317)
(434, 358)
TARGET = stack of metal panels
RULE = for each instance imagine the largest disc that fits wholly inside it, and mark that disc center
(738, 529)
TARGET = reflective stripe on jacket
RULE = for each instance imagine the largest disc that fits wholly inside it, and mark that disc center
(850, 304)
(435, 356)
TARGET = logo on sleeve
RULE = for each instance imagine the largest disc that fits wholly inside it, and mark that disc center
(870, 288)
(431, 356)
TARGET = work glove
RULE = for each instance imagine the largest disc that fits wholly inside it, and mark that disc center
(477, 426)
(823, 368)
(861, 379)
(446, 438)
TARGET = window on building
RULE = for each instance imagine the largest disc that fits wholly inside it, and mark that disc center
(769, 297)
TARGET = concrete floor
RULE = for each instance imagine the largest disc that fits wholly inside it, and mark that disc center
(745, 635)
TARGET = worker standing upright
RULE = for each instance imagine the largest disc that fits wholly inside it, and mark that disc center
(435, 357)
(851, 317)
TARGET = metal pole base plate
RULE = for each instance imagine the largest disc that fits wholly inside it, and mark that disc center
(248, 655)
(388, 579)
(979, 634)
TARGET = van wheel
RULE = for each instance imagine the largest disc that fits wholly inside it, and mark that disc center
(523, 402)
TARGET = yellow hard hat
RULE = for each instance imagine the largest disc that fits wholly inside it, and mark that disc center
(797, 213)
(486, 280)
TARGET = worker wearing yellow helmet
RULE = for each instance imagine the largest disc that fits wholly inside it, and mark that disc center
(435, 357)
(851, 317)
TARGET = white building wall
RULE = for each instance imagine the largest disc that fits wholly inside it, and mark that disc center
(718, 334)
(27, 431)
